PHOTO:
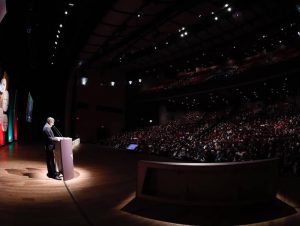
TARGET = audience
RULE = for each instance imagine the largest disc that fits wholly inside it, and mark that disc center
(254, 131)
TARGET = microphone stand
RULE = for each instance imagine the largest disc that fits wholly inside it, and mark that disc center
(57, 131)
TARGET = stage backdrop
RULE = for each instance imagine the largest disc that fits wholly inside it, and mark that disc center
(8, 116)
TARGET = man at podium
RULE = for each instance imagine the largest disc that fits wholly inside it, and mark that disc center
(49, 139)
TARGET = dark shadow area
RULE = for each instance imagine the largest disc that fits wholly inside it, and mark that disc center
(33, 173)
(289, 186)
(196, 215)
(28, 172)
(19, 172)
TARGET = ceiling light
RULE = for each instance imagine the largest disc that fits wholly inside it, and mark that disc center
(112, 83)
(226, 5)
(58, 31)
(130, 82)
(140, 80)
(57, 36)
(229, 9)
(71, 4)
(236, 15)
(298, 33)
(84, 81)
(216, 18)
(55, 43)
(66, 12)
(60, 25)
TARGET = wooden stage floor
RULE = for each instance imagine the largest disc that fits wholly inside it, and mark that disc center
(103, 193)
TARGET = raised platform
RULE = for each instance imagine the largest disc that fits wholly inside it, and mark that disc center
(209, 184)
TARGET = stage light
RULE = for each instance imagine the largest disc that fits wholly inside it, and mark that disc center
(66, 12)
(130, 82)
(140, 80)
(112, 83)
(84, 81)
(60, 25)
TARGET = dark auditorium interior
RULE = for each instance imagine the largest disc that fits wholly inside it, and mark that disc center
(167, 112)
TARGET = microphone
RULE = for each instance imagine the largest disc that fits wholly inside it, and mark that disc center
(57, 131)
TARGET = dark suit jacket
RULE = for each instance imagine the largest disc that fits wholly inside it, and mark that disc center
(48, 137)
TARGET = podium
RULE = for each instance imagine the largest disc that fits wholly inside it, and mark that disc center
(64, 157)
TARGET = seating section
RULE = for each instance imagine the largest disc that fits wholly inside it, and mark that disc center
(251, 132)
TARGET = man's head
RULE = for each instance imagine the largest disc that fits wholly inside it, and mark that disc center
(50, 121)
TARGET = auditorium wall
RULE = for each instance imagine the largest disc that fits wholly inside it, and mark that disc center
(100, 107)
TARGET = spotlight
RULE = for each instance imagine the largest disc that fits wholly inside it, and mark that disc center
(84, 81)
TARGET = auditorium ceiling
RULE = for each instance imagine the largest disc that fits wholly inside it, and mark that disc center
(140, 34)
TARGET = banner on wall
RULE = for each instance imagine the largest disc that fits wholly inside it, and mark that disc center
(4, 103)
(12, 131)
(2, 9)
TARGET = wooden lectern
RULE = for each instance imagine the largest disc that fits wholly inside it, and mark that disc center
(64, 157)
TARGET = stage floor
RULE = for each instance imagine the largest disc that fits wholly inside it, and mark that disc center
(103, 193)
